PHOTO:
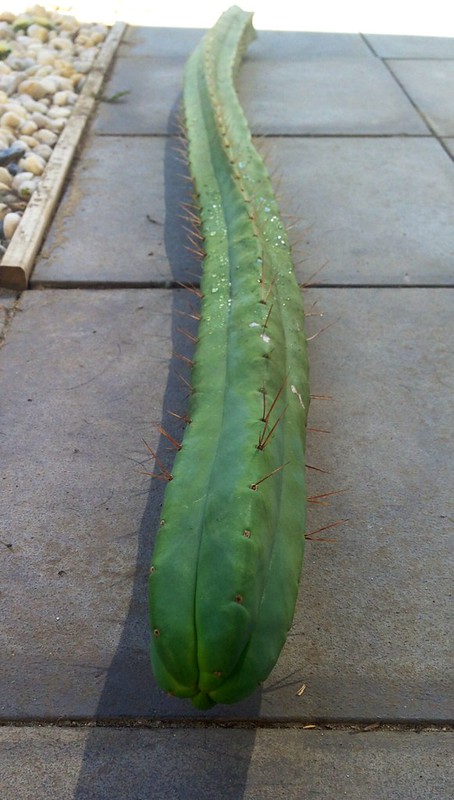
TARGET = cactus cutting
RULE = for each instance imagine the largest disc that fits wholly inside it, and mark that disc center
(228, 553)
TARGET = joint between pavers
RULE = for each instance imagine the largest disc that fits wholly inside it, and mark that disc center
(413, 103)
(69, 285)
(188, 723)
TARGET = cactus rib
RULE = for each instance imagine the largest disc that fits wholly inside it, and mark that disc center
(229, 549)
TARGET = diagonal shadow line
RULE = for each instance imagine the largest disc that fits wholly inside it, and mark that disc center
(129, 691)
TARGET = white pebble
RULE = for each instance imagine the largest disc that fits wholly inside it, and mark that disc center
(23, 40)
(45, 56)
(27, 188)
(33, 49)
(45, 136)
(77, 80)
(82, 66)
(10, 223)
(7, 134)
(5, 176)
(95, 39)
(31, 71)
(32, 87)
(68, 23)
(20, 64)
(43, 150)
(82, 38)
(64, 68)
(17, 108)
(38, 32)
(41, 120)
(64, 84)
(43, 70)
(11, 120)
(65, 98)
(28, 127)
(59, 112)
(33, 163)
(20, 178)
(32, 105)
(62, 43)
(30, 141)
(49, 84)
(59, 124)
(8, 83)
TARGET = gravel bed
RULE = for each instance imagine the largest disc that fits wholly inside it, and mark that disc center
(45, 57)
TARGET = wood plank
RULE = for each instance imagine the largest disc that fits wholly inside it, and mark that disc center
(19, 259)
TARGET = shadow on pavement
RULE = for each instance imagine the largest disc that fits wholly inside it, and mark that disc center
(129, 693)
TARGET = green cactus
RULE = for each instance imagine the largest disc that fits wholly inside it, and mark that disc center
(228, 553)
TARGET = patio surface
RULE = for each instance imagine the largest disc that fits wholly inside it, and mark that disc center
(360, 132)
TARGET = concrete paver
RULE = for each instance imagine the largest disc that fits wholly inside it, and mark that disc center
(151, 67)
(430, 84)
(80, 520)
(302, 45)
(374, 210)
(159, 42)
(322, 96)
(326, 97)
(154, 86)
(383, 363)
(78, 398)
(146, 243)
(449, 143)
(269, 45)
(387, 45)
(88, 374)
(103, 764)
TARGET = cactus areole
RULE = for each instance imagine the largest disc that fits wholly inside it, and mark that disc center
(228, 553)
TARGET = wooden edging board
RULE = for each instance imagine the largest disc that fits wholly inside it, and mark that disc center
(19, 258)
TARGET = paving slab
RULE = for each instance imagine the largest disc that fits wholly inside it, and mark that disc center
(449, 143)
(299, 45)
(154, 87)
(373, 210)
(159, 42)
(387, 45)
(430, 84)
(371, 633)
(99, 764)
(123, 225)
(151, 63)
(325, 95)
(288, 45)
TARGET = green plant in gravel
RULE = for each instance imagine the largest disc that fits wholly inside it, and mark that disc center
(22, 23)
(228, 553)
